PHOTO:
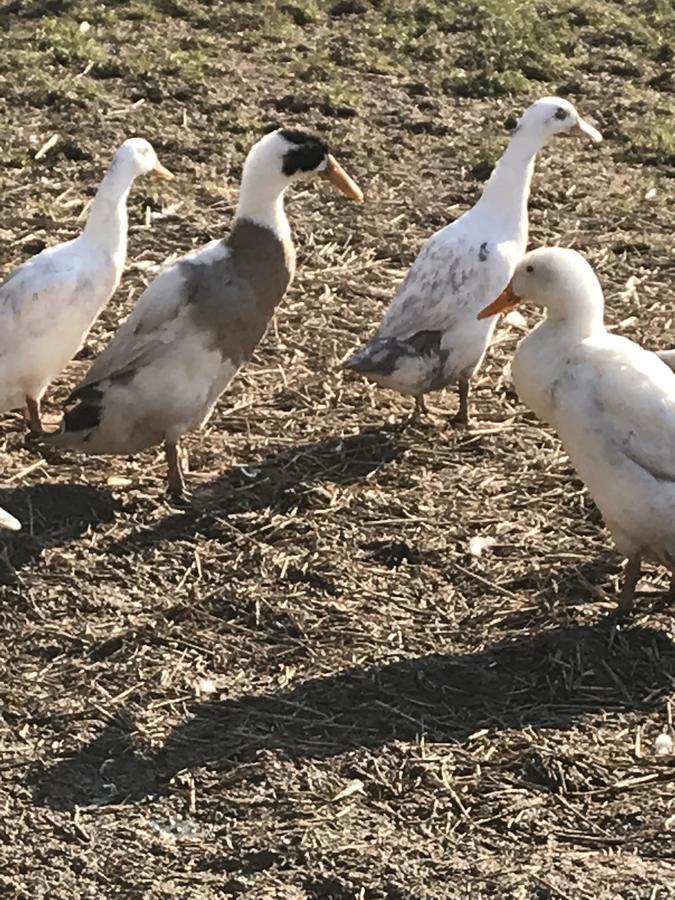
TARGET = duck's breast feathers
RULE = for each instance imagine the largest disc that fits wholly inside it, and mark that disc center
(233, 297)
(623, 398)
(455, 274)
(263, 259)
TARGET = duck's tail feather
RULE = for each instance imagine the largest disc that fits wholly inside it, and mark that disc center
(79, 422)
(379, 357)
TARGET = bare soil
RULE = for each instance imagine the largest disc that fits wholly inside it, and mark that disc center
(305, 684)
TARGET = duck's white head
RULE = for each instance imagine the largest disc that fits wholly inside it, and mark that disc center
(558, 279)
(276, 161)
(138, 157)
(287, 155)
(553, 115)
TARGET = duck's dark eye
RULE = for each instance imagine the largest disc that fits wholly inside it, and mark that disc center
(529, 268)
(560, 113)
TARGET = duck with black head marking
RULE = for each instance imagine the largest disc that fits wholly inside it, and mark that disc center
(429, 337)
(201, 318)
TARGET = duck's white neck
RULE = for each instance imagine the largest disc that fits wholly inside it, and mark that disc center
(508, 189)
(578, 315)
(261, 199)
(107, 221)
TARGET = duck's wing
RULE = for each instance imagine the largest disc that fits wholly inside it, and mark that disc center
(452, 276)
(627, 394)
(156, 321)
(433, 314)
(32, 292)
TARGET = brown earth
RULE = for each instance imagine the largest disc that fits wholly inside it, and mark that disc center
(305, 685)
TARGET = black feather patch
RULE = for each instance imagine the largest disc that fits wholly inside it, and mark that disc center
(82, 418)
(87, 413)
(384, 355)
(426, 342)
(307, 153)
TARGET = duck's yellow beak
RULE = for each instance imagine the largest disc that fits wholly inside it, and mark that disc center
(506, 301)
(585, 129)
(161, 171)
(339, 179)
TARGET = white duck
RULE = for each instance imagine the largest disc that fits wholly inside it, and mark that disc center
(200, 320)
(611, 402)
(48, 304)
(430, 337)
(8, 521)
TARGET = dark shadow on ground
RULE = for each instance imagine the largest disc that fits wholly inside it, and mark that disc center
(33, 10)
(267, 483)
(544, 680)
(586, 581)
(278, 482)
(51, 515)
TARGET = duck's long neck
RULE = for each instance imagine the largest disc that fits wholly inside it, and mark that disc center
(261, 200)
(506, 193)
(581, 316)
(107, 221)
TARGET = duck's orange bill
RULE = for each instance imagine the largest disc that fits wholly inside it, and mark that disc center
(506, 301)
(339, 179)
(161, 171)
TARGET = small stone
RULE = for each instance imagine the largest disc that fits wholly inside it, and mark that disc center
(663, 745)
(205, 686)
(479, 543)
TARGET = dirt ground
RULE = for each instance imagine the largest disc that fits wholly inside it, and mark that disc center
(309, 683)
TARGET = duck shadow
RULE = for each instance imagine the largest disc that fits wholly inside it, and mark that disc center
(51, 515)
(270, 482)
(547, 680)
(277, 481)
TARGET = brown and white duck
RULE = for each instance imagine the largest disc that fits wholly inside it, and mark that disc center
(200, 320)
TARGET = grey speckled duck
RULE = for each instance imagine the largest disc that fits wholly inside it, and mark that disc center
(430, 336)
(199, 321)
